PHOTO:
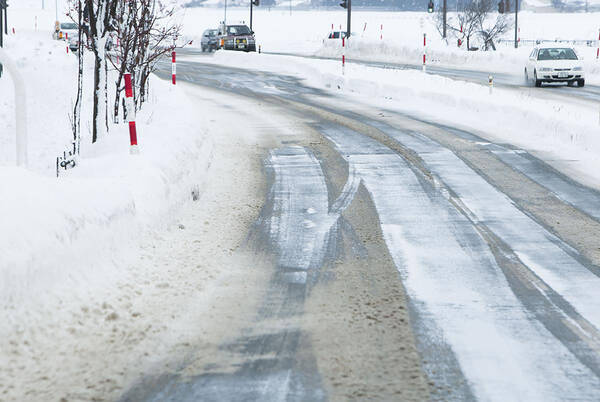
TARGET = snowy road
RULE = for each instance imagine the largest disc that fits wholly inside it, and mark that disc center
(412, 261)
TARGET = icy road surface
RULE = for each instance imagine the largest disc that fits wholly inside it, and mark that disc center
(411, 261)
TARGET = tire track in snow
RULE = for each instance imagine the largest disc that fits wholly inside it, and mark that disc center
(302, 219)
(564, 188)
(459, 294)
(546, 255)
(276, 363)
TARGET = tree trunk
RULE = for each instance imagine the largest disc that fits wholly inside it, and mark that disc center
(77, 107)
(97, 69)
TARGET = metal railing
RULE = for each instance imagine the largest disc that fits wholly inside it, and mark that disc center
(533, 42)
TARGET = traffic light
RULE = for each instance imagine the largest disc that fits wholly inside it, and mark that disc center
(430, 6)
(507, 6)
(501, 6)
(344, 4)
(256, 2)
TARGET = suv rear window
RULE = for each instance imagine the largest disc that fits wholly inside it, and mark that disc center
(557, 54)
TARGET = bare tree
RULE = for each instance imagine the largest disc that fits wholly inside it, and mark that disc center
(144, 30)
(475, 19)
(146, 33)
(101, 15)
(76, 124)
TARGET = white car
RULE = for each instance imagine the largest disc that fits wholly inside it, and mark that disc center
(554, 64)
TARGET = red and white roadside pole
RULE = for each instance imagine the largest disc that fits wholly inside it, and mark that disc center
(67, 40)
(424, 51)
(598, 49)
(131, 114)
(173, 67)
(343, 55)
(381, 33)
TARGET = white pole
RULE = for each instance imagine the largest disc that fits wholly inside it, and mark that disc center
(20, 108)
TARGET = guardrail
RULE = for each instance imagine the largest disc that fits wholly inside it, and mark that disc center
(533, 42)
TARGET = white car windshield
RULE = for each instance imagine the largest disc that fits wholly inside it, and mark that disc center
(68, 25)
(557, 54)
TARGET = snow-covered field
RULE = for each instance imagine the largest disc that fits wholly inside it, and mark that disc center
(305, 31)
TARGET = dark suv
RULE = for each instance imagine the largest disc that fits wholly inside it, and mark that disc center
(238, 37)
(209, 40)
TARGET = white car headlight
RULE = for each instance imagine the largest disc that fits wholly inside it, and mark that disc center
(579, 68)
(545, 69)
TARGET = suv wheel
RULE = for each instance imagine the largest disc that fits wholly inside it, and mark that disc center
(538, 83)
(581, 82)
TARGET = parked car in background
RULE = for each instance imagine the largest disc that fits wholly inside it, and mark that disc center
(336, 35)
(554, 64)
(237, 37)
(210, 40)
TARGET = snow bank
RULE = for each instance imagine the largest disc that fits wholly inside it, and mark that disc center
(63, 238)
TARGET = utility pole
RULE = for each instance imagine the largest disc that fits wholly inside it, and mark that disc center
(516, 24)
(349, 21)
(445, 9)
(3, 30)
(253, 3)
(347, 4)
(225, 16)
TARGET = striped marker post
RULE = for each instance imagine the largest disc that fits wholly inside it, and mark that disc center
(598, 48)
(173, 68)
(424, 51)
(343, 55)
(130, 114)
